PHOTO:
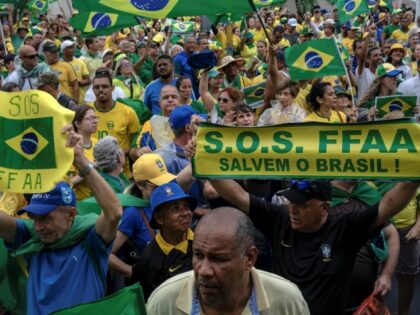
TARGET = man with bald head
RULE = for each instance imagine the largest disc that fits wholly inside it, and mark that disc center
(27, 73)
(224, 280)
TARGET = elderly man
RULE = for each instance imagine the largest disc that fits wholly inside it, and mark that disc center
(48, 82)
(224, 280)
(67, 254)
(229, 67)
(27, 73)
(311, 248)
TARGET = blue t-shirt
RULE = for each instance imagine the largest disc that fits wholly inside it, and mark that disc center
(133, 226)
(66, 277)
(152, 95)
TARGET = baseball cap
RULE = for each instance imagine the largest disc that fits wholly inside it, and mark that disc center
(340, 90)
(214, 73)
(152, 167)
(50, 46)
(387, 69)
(47, 78)
(66, 44)
(181, 116)
(301, 191)
(167, 193)
(292, 22)
(42, 204)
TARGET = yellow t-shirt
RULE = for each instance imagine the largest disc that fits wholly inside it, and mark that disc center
(81, 70)
(120, 122)
(248, 53)
(137, 90)
(284, 42)
(66, 75)
(258, 35)
(408, 216)
(82, 190)
(348, 43)
(400, 36)
(336, 117)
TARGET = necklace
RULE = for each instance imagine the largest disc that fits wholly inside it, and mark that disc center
(87, 146)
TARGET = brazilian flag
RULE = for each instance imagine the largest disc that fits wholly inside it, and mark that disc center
(387, 104)
(100, 23)
(26, 144)
(344, 52)
(254, 95)
(387, 4)
(264, 3)
(38, 5)
(347, 9)
(128, 301)
(314, 59)
(157, 9)
(181, 28)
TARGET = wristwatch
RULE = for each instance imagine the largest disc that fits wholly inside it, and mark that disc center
(87, 169)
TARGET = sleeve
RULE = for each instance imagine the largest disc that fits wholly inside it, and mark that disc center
(146, 97)
(22, 236)
(130, 221)
(99, 249)
(178, 66)
(83, 68)
(133, 121)
(266, 216)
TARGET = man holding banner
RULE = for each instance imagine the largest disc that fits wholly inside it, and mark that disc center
(67, 254)
(310, 248)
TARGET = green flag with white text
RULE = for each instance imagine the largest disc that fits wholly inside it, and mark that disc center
(347, 9)
(387, 104)
(101, 23)
(314, 59)
(128, 301)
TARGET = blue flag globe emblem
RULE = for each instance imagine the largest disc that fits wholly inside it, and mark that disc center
(39, 4)
(371, 2)
(29, 143)
(349, 5)
(313, 60)
(259, 92)
(149, 5)
(182, 26)
(100, 20)
(395, 105)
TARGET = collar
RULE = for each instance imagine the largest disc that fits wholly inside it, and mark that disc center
(167, 248)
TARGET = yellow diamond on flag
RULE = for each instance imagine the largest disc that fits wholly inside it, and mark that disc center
(28, 144)
(312, 60)
(99, 20)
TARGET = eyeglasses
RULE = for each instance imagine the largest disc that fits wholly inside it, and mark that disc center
(92, 118)
(31, 56)
(224, 100)
(101, 86)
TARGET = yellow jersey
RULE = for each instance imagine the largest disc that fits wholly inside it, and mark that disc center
(336, 117)
(81, 70)
(66, 76)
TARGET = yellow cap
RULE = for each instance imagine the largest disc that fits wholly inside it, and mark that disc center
(158, 38)
(151, 167)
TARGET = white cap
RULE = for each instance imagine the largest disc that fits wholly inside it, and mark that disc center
(65, 44)
(329, 21)
(292, 22)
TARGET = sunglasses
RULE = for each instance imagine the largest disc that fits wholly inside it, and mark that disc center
(31, 56)
(101, 86)
(224, 100)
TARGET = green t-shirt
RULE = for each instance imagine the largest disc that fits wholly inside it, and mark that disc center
(389, 29)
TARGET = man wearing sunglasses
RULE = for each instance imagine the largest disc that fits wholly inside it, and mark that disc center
(311, 248)
(27, 73)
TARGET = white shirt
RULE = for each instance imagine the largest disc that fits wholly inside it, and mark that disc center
(411, 87)
(363, 81)
(116, 93)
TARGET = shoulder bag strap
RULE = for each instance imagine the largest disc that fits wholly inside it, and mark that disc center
(146, 221)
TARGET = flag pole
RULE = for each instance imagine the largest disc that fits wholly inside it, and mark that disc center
(252, 4)
(347, 73)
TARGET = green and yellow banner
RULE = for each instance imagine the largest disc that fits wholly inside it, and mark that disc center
(34, 155)
(375, 150)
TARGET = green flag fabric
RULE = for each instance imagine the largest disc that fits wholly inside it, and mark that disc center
(100, 23)
(164, 8)
(264, 3)
(313, 59)
(345, 55)
(181, 28)
(90, 205)
(38, 5)
(254, 95)
(387, 104)
(128, 301)
(348, 9)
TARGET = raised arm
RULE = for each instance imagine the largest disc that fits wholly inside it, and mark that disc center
(363, 53)
(204, 92)
(395, 200)
(107, 223)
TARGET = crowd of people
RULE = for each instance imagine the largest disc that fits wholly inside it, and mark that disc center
(209, 246)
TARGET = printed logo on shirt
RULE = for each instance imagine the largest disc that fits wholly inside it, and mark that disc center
(110, 124)
(174, 269)
(326, 252)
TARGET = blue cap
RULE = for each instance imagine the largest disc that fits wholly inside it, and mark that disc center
(167, 193)
(41, 204)
(181, 116)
